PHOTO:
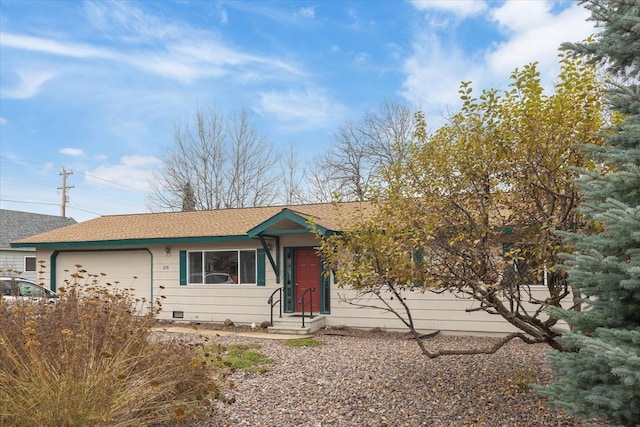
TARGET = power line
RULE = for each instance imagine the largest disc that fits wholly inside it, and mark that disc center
(32, 203)
(33, 181)
(133, 190)
(80, 190)
(50, 204)
(31, 165)
(84, 210)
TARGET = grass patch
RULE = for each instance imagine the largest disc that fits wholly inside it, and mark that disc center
(304, 342)
(236, 357)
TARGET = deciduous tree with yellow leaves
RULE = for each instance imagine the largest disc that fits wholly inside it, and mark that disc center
(475, 207)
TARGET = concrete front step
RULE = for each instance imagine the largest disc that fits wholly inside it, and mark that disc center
(292, 324)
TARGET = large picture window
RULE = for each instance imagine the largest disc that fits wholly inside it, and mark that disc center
(222, 267)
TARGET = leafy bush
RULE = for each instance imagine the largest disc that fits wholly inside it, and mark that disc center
(88, 359)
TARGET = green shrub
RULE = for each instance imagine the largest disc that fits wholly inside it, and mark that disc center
(88, 360)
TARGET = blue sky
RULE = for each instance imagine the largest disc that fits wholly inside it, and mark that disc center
(96, 86)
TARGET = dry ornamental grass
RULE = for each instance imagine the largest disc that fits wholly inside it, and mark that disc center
(86, 360)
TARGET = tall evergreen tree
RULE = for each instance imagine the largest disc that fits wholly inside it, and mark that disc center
(188, 198)
(601, 378)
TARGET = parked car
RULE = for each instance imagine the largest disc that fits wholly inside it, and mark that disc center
(17, 288)
(218, 278)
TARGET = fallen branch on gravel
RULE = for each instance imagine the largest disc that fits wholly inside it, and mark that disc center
(491, 350)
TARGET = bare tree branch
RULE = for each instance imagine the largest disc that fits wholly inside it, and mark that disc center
(491, 350)
(225, 161)
(362, 150)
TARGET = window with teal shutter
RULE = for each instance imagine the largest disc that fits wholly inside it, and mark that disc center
(260, 263)
(183, 268)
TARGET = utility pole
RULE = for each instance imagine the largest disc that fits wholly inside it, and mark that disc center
(64, 189)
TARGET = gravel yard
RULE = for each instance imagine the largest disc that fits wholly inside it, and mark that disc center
(381, 379)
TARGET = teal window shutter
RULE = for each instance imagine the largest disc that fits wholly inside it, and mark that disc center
(260, 261)
(183, 268)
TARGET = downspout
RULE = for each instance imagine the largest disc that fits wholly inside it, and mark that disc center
(52, 274)
(151, 276)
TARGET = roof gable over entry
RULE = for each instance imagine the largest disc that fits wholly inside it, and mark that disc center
(284, 222)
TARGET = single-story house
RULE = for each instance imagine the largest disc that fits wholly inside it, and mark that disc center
(209, 266)
(15, 225)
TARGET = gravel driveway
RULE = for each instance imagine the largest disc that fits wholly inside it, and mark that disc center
(383, 380)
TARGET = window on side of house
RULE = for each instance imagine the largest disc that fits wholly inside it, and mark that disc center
(222, 267)
(29, 263)
(529, 274)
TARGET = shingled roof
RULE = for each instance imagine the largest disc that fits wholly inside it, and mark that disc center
(15, 225)
(175, 225)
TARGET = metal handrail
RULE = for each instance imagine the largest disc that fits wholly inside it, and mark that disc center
(302, 302)
(273, 304)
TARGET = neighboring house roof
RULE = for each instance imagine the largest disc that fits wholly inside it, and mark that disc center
(16, 225)
(222, 223)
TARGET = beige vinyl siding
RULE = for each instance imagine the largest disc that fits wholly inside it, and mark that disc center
(430, 311)
(243, 304)
(123, 269)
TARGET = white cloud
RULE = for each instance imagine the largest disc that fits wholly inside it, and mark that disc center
(74, 152)
(192, 57)
(122, 20)
(355, 24)
(536, 34)
(300, 109)
(155, 46)
(268, 10)
(461, 8)
(518, 17)
(3, 121)
(180, 51)
(433, 74)
(30, 83)
(133, 172)
(395, 50)
(52, 47)
(434, 70)
(306, 12)
(360, 58)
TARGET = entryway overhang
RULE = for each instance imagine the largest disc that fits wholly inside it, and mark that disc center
(284, 222)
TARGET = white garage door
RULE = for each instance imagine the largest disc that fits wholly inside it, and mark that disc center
(123, 269)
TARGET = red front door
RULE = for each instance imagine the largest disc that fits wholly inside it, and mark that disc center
(307, 276)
